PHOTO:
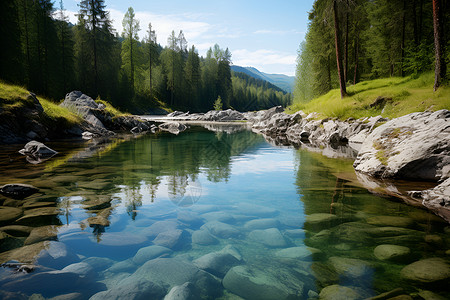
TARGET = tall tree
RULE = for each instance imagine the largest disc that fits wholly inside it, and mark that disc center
(10, 49)
(130, 33)
(192, 73)
(65, 37)
(440, 66)
(151, 42)
(95, 20)
(337, 39)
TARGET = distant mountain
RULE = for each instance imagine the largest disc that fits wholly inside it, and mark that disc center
(284, 82)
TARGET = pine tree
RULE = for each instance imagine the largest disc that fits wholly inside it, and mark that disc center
(130, 33)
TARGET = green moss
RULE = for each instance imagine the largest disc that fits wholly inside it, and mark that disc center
(408, 94)
(114, 112)
(381, 156)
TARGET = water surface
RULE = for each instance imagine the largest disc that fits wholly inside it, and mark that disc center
(227, 212)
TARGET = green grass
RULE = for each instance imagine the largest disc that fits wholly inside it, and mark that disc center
(13, 97)
(409, 94)
(111, 109)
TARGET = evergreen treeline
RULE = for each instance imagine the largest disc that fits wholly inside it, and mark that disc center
(43, 51)
(353, 40)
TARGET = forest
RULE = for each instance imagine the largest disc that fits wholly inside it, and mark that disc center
(44, 52)
(349, 41)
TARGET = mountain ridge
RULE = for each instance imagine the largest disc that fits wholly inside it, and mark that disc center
(282, 81)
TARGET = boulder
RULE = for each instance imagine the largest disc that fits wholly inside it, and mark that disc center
(9, 214)
(437, 199)
(170, 272)
(220, 216)
(160, 226)
(43, 233)
(301, 253)
(83, 269)
(173, 239)
(223, 116)
(253, 283)
(173, 127)
(391, 252)
(37, 152)
(271, 237)
(221, 230)
(136, 289)
(182, 292)
(351, 267)
(216, 263)
(427, 270)
(262, 224)
(415, 146)
(203, 237)
(151, 252)
(338, 292)
(99, 263)
(320, 221)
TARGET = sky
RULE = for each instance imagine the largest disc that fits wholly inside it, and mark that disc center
(264, 34)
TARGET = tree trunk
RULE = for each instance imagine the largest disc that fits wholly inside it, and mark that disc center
(355, 74)
(403, 37)
(440, 67)
(338, 51)
(346, 42)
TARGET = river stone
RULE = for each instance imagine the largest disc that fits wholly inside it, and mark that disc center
(251, 283)
(43, 233)
(221, 230)
(147, 253)
(99, 263)
(136, 289)
(9, 214)
(427, 270)
(159, 227)
(17, 230)
(82, 269)
(37, 150)
(320, 221)
(262, 224)
(173, 239)
(351, 267)
(120, 239)
(203, 237)
(190, 218)
(301, 253)
(8, 242)
(216, 263)
(271, 237)
(127, 265)
(256, 210)
(18, 190)
(220, 216)
(391, 221)
(324, 274)
(391, 252)
(338, 292)
(38, 216)
(429, 295)
(295, 233)
(70, 296)
(173, 127)
(416, 146)
(169, 272)
(434, 239)
(52, 283)
(182, 292)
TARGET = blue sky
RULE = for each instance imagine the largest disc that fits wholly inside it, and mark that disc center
(262, 34)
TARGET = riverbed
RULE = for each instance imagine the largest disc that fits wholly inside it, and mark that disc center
(216, 213)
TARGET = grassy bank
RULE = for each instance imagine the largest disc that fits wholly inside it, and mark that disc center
(403, 95)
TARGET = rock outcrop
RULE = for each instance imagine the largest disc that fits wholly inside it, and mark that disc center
(415, 146)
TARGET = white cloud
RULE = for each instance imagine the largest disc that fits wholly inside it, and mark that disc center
(244, 57)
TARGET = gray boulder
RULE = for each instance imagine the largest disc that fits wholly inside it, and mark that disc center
(271, 237)
(223, 116)
(173, 239)
(173, 127)
(415, 146)
(436, 199)
(37, 152)
(136, 289)
(147, 253)
(182, 292)
(203, 237)
(18, 190)
(216, 263)
(221, 230)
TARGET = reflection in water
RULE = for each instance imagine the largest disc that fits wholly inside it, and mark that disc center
(224, 211)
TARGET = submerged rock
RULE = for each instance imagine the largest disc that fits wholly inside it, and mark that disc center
(216, 263)
(338, 292)
(173, 239)
(221, 230)
(427, 270)
(147, 253)
(391, 252)
(253, 283)
(203, 237)
(319, 221)
(18, 190)
(271, 237)
(138, 288)
(351, 267)
(182, 292)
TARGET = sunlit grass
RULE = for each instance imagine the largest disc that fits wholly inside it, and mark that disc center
(111, 109)
(408, 94)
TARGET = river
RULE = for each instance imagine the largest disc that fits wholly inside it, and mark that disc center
(217, 215)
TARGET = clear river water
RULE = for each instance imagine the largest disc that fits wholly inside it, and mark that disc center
(209, 215)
